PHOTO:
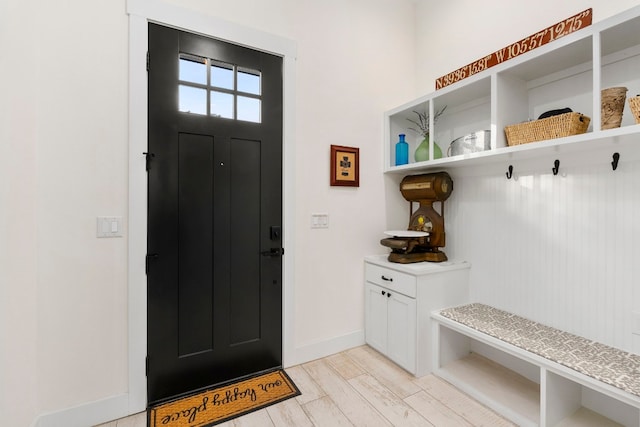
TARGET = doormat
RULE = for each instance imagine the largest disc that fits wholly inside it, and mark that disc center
(221, 404)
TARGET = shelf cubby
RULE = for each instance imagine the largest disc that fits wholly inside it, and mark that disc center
(569, 403)
(511, 387)
(620, 60)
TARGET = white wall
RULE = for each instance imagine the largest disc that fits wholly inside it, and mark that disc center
(457, 32)
(18, 292)
(64, 162)
(558, 249)
(64, 151)
(350, 54)
(63, 154)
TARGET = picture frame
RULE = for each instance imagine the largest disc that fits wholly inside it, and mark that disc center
(345, 166)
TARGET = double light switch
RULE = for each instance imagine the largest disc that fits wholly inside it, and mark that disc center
(109, 226)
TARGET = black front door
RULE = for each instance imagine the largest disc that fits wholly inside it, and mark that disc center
(214, 266)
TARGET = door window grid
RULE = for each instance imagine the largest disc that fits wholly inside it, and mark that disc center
(218, 89)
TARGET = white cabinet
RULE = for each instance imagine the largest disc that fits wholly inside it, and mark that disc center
(568, 72)
(391, 324)
(398, 301)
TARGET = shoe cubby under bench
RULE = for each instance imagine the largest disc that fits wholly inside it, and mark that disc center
(533, 374)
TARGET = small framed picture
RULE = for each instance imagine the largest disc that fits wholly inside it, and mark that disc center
(345, 166)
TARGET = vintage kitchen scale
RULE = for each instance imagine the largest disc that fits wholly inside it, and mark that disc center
(425, 235)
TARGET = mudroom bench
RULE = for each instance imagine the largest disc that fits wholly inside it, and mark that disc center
(533, 374)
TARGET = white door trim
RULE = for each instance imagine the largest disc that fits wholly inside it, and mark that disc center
(141, 12)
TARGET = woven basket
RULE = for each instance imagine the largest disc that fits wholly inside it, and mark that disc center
(549, 128)
(612, 106)
(634, 104)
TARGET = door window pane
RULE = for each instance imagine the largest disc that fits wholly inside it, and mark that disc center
(222, 75)
(212, 87)
(249, 109)
(192, 100)
(222, 105)
(193, 69)
(249, 81)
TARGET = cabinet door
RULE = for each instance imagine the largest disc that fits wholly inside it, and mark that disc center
(401, 330)
(375, 328)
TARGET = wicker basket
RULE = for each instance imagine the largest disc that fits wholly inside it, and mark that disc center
(634, 104)
(549, 128)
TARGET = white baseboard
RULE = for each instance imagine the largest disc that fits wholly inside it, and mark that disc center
(89, 414)
(321, 349)
(112, 408)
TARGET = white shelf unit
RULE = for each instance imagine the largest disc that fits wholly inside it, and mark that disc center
(525, 388)
(568, 72)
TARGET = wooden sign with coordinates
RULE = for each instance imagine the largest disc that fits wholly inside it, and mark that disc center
(554, 32)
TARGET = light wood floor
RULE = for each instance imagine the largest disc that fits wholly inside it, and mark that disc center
(360, 387)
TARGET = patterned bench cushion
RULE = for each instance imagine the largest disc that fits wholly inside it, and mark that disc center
(607, 364)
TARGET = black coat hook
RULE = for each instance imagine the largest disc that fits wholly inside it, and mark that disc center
(510, 173)
(556, 167)
(614, 164)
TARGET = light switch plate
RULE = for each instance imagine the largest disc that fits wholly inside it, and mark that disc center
(109, 226)
(320, 220)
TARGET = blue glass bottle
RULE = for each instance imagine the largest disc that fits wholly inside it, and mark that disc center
(402, 151)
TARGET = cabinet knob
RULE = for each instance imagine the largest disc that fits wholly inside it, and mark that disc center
(387, 279)
(388, 294)
(384, 293)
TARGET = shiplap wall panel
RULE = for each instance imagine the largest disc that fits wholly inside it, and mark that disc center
(562, 250)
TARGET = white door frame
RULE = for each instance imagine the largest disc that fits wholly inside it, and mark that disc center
(141, 12)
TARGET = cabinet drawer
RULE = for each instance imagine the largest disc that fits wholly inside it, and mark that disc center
(391, 279)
